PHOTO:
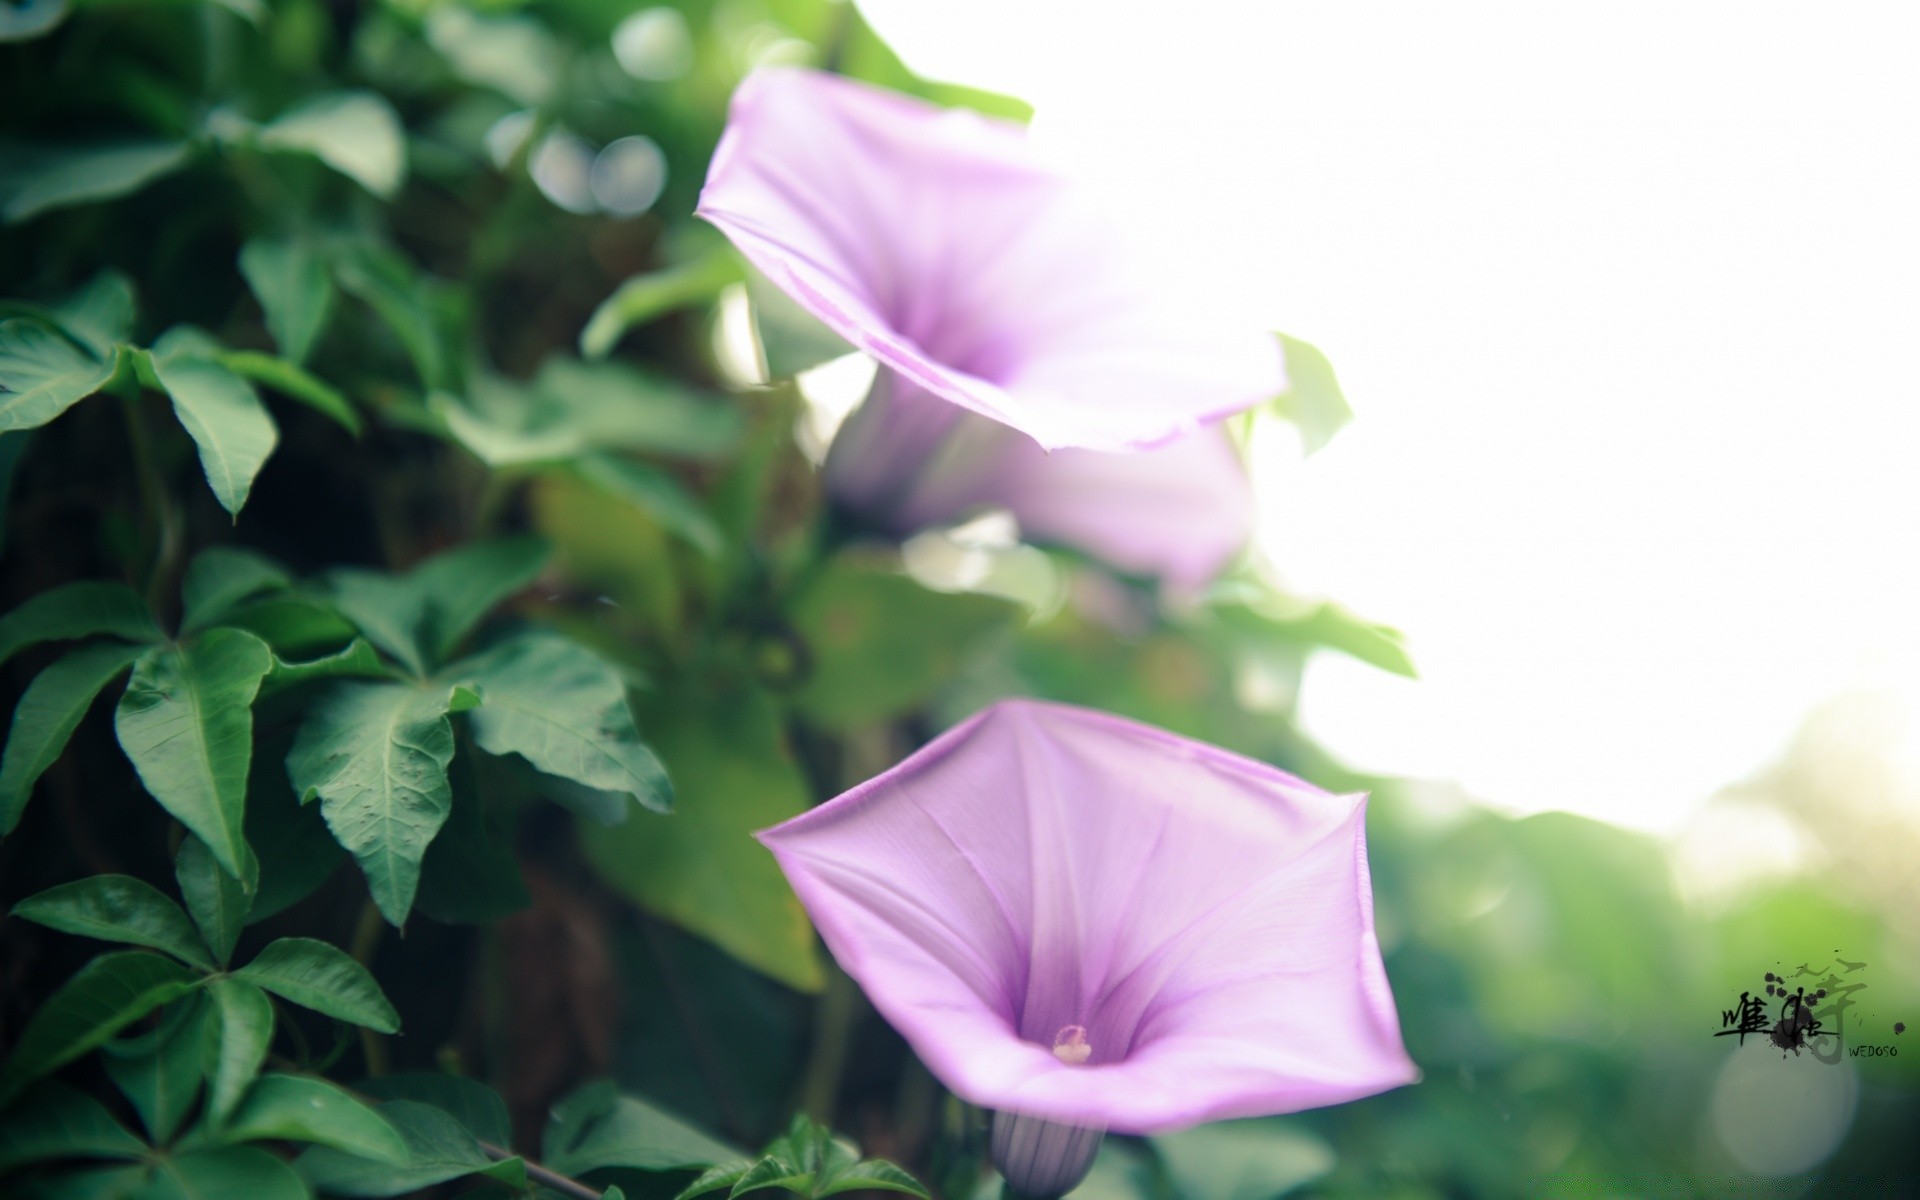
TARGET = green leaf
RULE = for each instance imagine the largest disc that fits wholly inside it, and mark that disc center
(1242, 1160)
(871, 1175)
(217, 901)
(296, 1108)
(50, 710)
(104, 997)
(34, 179)
(44, 374)
(716, 1178)
(388, 609)
(289, 278)
(160, 1071)
(77, 610)
(623, 1131)
(321, 977)
(387, 283)
(90, 1183)
(293, 623)
(475, 1105)
(656, 493)
(229, 1173)
(24, 20)
(238, 1031)
(793, 339)
(1313, 400)
(294, 381)
(117, 908)
(463, 585)
(54, 1121)
(1324, 624)
(356, 660)
(563, 709)
(470, 874)
(880, 643)
(225, 418)
(644, 297)
(219, 578)
(100, 314)
(702, 870)
(617, 406)
(771, 1172)
(186, 721)
(356, 133)
(296, 849)
(376, 755)
(438, 1148)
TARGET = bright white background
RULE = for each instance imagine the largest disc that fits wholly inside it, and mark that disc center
(1626, 297)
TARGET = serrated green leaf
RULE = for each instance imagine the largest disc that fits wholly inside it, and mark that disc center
(627, 1132)
(356, 660)
(159, 1073)
(117, 908)
(49, 711)
(376, 755)
(294, 381)
(238, 1031)
(1313, 400)
(438, 1148)
(296, 1108)
(53, 1121)
(225, 418)
(104, 997)
(356, 133)
(186, 721)
(881, 643)
(228, 1173)
(39, 178)
(220, 577)
(475, 1105)
(289, 278)
(44, 374)
(216, 900)
(563, 709)
(321, 977)
(78, 610)
(702, 869)
(644, 297)
(656, 493)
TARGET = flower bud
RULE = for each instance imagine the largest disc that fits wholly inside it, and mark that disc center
(1040, 1159)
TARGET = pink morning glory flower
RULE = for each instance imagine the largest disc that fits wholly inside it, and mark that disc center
(1091, 924)
(987, 286)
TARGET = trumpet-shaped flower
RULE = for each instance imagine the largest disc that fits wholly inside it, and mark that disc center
(995, 297)
(1087, 923)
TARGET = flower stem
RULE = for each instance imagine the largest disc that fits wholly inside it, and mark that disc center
(834, 1018)
(366, 940)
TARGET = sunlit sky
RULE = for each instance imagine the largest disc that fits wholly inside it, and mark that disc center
(1626, 297)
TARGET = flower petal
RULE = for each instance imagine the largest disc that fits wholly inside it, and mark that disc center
(936, 241)
(1206, 918)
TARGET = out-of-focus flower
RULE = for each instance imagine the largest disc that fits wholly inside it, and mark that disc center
(1089, 924)
(986, 285)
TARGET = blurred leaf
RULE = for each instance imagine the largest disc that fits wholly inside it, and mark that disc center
(880, 643)
(1313, 400)
(289, 278)
(89, 1183)
(1324, 624)
(100, 314)
(1242, 1160)
(296, 1108)
(437, 1149)
(356, 133)
(49, 711)
(376, 755)
(159, 1073)
(219, 578)
(104, 997)
(24, 20)
(34, 179)
(793, 339)
(291, 380)
(186, 721)
(563, 709)
(229, 1173)
(44, 374)
(574, 407)
(321, 977)
(225, 418)
(655, 493)
(733, 774)
(475, 1105)
(77, 610)
(293, 623)
(470, 875)
(239, 1030)
(595, 1128)
(117, 908)
(644, 297)
(217, 901)
(388, 609)
(356, 660)
(53, 1121)
(388, 284)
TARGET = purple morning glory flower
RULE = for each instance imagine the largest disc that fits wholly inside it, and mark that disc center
(1089, 924)
(996, 298)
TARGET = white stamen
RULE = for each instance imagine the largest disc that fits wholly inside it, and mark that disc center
(1070, 1045)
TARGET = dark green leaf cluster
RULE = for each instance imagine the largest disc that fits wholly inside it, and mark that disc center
(810, 1161)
